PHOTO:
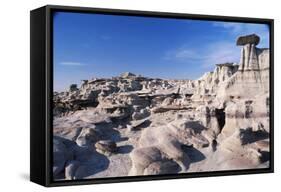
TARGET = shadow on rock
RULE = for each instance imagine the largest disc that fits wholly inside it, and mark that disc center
(196, 126)
(249, 136)
(107, 132)
(96, 164)
(194, 154)
(143, 125)
(125, 149)
(265, 156)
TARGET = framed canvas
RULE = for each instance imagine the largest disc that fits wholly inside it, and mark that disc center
(125, 95)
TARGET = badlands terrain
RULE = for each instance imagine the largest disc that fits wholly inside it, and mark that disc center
(136, 125)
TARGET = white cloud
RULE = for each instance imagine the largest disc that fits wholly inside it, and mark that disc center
(220, 52)
(233, 27)
(209, 54)
(186, 54)
(182, 54)
(68, 63)
(206, 56)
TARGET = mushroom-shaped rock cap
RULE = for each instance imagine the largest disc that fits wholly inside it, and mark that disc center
(248, 39)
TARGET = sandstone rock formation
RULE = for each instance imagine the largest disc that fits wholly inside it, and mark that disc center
(135, 125)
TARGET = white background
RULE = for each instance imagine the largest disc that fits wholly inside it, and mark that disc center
(14, 94)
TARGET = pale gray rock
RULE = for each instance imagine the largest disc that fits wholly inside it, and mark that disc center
(87, 137)
(252, 77)
(150, 161)
(161, 167)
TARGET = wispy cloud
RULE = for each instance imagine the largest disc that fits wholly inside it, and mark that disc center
(210, 53)
(182, 54)
(220, 52)
(186, 54)
(206, 56)
(233, 27)
(69, 63)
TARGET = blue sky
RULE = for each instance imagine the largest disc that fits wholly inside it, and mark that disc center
(94, 45)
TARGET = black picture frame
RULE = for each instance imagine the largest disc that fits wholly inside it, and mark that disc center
(41, 57)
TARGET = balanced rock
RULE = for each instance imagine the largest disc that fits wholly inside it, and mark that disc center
(248, 39)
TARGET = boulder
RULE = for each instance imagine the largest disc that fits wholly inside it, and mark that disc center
(86, 137)
(62, 153)
(143, 157)
(162, 167)
(106, 147)
(165, 142)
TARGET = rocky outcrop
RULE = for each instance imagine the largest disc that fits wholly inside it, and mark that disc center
(244, 80)
(87, 137)
(245, 114)
(252, 77)
(167, 142)
(135, 125)
(208, 85)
